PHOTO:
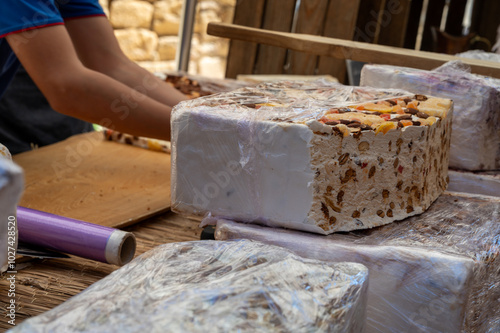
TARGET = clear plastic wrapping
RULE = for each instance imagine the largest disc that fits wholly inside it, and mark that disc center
(11, 188)
(475, 140)
(209, 286)
(315, 156)
(437, 272)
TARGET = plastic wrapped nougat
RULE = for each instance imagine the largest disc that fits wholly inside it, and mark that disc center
(235, 286)
(438, 272)
(11, 187)
(475, 139)
(314, 156)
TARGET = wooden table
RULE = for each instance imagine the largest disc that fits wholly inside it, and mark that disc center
(43, 284)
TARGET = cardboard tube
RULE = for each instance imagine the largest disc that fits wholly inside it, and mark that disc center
(76, 237)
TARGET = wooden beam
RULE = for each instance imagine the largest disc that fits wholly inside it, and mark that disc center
(344, 49)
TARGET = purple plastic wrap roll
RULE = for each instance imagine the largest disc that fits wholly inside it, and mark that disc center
(76, 237)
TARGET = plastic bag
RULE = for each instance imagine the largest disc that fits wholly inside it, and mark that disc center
(239, 286)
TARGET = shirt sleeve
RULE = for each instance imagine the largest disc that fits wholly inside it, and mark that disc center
(22, 15)
(71, 9)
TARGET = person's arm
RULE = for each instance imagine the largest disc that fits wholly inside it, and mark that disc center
(72, 89)
(98, 49)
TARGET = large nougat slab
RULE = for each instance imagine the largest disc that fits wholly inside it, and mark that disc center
(475, 140)
(437, 272)
(11, 187)
(314, 156)
(239, 286)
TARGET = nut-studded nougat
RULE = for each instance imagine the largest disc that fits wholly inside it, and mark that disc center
(318, 156)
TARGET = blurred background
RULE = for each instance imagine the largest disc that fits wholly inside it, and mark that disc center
(148, 29)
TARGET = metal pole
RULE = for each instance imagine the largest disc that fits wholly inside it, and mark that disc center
(185, 35)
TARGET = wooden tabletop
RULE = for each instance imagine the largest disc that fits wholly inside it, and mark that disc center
(43, 284)
(88, 178)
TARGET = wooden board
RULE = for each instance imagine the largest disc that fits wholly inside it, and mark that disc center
(97, 181)
(283, 77)
(345, 49)
(310, 20)
(393, 23)
(278, 16)
(368, 22)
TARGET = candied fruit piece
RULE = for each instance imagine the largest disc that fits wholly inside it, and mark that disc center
(379, 107)
(398, 109)
(413, 105)
(386, 127)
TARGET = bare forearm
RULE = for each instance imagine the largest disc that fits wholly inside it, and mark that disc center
(96, 98)
(147, 83)
(75, 90)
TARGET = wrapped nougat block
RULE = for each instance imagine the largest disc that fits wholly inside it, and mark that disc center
(475, 139)
(437, 272)
(239, 286)
(314, 156)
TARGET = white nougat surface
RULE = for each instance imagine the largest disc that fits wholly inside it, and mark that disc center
(475, 137)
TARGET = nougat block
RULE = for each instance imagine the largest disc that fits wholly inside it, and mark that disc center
(314, 156)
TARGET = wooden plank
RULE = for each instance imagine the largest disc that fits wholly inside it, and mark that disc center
(241, 55)
(393, 23)
(97, 181)
(343, 49)
(259, 78)
(367, 26)
(310, 20)
(278, 16)
(341, 20)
